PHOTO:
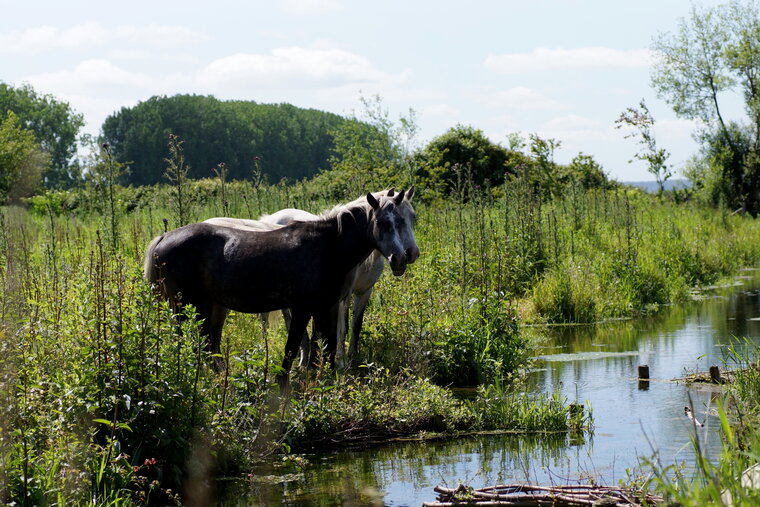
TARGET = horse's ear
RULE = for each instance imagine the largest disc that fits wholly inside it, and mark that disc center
(410, 193)
(391, 192)
(372, 201)
(399, 198)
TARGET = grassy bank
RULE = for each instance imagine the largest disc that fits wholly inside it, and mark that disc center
(105, 398)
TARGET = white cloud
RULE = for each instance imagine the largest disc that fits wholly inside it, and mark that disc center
(577, 128)
(542, 59)
(309, 6)
(90, 75)
(442, 111)
(519, 97)
(89, 35)
(292, 67)
(677, 127)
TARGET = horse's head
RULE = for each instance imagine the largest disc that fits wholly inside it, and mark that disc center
(391, 229)
(410, 218)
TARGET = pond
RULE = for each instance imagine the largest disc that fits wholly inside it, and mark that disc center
(595, 365)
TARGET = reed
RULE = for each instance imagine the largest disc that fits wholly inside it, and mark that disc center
(105, 387)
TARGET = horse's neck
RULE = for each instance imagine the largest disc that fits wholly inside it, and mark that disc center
(354, 241)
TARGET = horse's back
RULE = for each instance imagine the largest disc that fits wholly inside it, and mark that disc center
(288, 215)
(249, 271)
(245, 224)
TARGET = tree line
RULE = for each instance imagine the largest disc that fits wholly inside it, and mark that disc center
(281, 140)
(713, 52)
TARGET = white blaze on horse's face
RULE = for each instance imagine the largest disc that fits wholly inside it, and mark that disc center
(407, 232)
(390, 227)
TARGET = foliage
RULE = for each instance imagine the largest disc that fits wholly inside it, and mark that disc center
(583, 170)
(441, 160)
(176, 173)
(656, 158)
(714, 51)
(289, 142)
(99, 379)
(56, 127)
(377, 405)
(21, 161)
(370, 151)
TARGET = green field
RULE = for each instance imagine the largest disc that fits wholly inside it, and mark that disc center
(103, 394)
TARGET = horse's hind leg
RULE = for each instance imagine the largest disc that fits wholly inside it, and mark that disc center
(340, 321)
(214, 316)
(360, 305)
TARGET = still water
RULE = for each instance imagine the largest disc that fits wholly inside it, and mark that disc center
(594, 365)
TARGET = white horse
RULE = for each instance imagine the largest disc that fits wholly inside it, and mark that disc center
(359, 283)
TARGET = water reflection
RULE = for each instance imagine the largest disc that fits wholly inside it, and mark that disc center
(595, 365)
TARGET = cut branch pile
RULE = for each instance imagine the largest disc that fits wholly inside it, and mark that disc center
(527, 495)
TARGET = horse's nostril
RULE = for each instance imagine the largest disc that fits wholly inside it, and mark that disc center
(397, 259)
(412, 254)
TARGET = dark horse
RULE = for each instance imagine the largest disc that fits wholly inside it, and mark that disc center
(302, 266)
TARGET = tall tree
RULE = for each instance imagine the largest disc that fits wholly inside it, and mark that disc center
(714, 51)
(371, 150)
(55, 125)
(289, 142)
(463, 154)
(21, 159)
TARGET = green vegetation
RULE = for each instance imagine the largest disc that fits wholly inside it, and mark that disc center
(21, 161)
(100, 379)
(288, 141)
(108, 399)
(716, 51)
(55, 127)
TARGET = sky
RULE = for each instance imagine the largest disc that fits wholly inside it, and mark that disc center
(562, 69)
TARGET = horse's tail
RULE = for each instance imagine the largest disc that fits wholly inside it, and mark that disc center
(149, 264)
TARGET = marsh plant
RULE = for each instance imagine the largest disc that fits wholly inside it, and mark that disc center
(106, 395)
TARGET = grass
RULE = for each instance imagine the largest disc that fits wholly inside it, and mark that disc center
(103, 393)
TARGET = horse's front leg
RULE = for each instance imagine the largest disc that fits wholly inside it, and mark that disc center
(298, 322)
(308, 350)
(360, 305)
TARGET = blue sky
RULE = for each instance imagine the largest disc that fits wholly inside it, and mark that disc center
(563, 69)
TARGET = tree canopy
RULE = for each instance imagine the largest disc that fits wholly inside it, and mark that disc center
(55, 126)
(464, 152)
(284, 140)
(715, 51)
(21, 160)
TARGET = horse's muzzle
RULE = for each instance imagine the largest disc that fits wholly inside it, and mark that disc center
(398, 263)
(412, 254)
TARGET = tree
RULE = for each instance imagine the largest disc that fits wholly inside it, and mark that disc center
(587, 172)
(714, 51)
(289, 142)
(21, 160)
(464, 148)
(371, 151)
(56, 127)
(656, 158)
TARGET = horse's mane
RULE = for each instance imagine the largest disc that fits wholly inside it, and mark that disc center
(361, 204)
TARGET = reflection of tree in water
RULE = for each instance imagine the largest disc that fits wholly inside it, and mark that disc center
(726, 310)
(346, 476)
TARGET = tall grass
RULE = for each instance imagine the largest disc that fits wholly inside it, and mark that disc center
(104, 392)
